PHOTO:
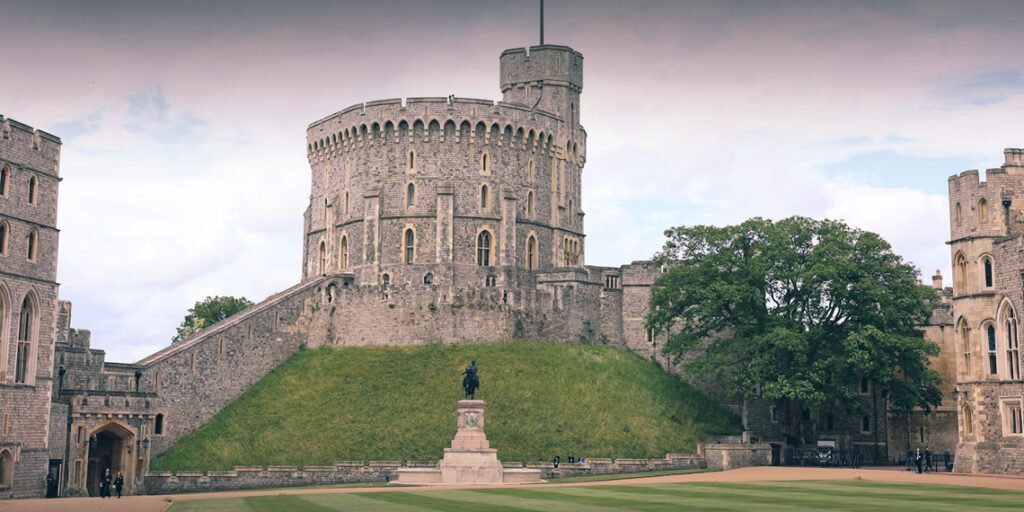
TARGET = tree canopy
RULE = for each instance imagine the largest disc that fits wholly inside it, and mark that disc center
(796, 311)
(208, 312)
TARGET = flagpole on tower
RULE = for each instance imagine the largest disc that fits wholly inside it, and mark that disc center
(542, 22)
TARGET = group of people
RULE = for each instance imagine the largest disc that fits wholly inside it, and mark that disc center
(923, 460)
(572, 460)
(107, 481)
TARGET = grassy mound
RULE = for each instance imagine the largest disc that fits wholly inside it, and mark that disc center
(398, 403)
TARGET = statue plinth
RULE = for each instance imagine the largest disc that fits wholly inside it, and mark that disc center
(470, 460)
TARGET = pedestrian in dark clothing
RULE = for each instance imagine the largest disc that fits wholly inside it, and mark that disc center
(557, 460)
(572, 458)
(105, 484)
(928, 459)
(919, 460)
(119, 484)
(51, 485)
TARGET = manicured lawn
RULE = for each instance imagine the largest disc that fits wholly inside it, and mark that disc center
(761, 496)
(398, 403)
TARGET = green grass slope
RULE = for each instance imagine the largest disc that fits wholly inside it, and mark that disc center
(398, 403)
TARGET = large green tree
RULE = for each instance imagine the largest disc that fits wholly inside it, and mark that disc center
(208, 312)
(796, 311)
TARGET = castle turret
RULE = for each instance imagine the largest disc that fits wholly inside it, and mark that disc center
(548, 78)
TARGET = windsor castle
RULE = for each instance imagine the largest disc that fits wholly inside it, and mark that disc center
(444, 219)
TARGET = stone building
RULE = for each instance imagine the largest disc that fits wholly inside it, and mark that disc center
(987, 248)
(29, 179)
(430, 219)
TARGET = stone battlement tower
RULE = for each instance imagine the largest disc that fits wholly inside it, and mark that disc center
(451, 192)
(986, 240)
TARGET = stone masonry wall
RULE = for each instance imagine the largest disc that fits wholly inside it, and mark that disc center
(259, 477)
(30, 159)
(197, 378)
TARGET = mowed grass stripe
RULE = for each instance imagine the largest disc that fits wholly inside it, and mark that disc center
(278, 503)
(364, 501)
(433, 502)
(594, 497)
(952, 490)
(519, 499)
(784, 499)
(936, 496)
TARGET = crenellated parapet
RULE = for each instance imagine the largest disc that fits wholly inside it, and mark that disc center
(450, 192)
(443, 120)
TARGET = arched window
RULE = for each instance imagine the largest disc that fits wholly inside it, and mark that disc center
(965, 345)
(483, 249)
(158, 425)
(6, 469)
(958, 215)
(26, 337)
(343, 255)
(5, 313)
(987, 264)
(346, 203)
(412, 160)
(968, 420)
(531, 253)
(322, 266)
(32, 190)
(529, 204)
(5, 177)
(1012, 345)
(483, 197)
(960, 266)
(410, 195)
(32, 235)
(533, 171)
(993, 367)
(983, 210)
(428, 278)
(4, 232)
(410, 246)
(485, 167)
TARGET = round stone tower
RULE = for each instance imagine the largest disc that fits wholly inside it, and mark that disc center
(457, 193)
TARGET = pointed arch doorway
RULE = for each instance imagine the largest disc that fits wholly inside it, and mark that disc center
(110, 446)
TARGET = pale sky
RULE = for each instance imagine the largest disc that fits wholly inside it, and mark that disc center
(184, 123)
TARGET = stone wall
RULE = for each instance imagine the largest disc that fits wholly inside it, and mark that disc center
(259, 477)
(195, 379)
(30, 159)
(735, 456)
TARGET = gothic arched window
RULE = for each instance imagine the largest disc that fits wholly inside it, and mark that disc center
(26, 338)
(1012, 344)
(343, 254)
(410, 246)
(987, 264)
(32, 183)
(483, 249)
(993, 367)
(531, 253)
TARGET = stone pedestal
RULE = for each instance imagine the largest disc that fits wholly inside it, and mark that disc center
(470, 460)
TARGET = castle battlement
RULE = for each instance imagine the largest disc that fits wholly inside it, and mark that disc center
(431, 119)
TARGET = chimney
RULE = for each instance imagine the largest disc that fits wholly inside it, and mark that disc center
(937, 280)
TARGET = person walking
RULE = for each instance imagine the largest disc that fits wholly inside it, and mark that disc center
(119, 484)
(105, 484)
(919, 460)
(928, 459)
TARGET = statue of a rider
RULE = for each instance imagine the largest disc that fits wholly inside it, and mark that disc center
(471, 382)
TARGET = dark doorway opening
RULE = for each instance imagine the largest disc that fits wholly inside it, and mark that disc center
(106, 450)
